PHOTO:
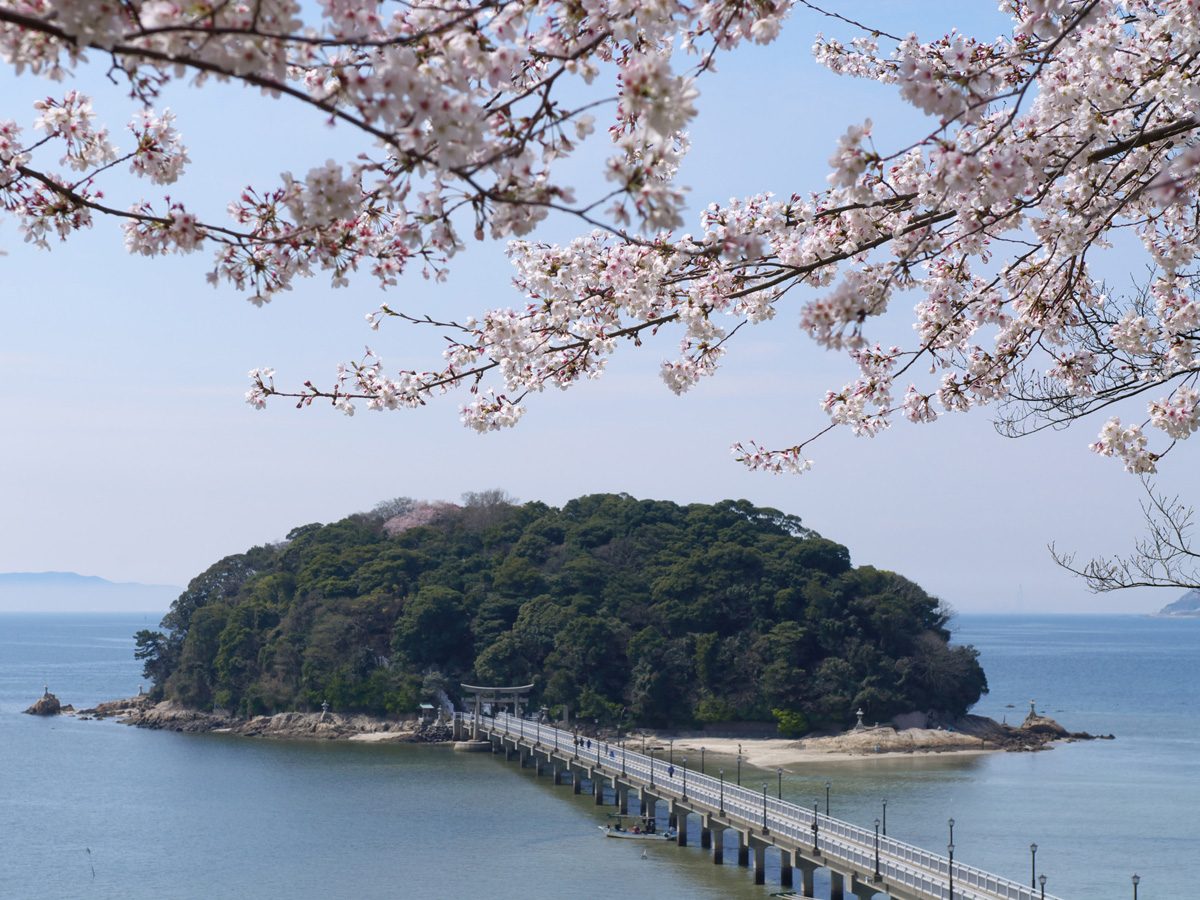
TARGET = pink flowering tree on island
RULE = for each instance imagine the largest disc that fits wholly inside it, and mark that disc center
(1042, 148)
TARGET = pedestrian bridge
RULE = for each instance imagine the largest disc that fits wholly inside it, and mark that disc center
(859, 860)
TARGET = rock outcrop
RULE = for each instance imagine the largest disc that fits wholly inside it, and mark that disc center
(47, 705)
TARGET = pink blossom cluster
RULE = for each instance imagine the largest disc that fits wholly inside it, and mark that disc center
(458, 104)
(1042, 146)
(422, 513)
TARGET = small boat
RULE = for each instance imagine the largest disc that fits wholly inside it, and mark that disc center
(615, 832)
(644, 825)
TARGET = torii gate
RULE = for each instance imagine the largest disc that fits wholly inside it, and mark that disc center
(494, 695)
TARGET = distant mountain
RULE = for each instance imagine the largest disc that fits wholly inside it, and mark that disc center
(71, 592)
(1187, 605)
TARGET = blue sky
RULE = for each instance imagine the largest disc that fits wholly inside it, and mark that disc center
(131, 456)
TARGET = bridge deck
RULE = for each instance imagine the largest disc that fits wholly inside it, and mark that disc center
(816, 840)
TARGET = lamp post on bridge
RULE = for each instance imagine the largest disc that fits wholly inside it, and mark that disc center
(739, 770)
(827, 798)
(885, 816)
(779, 772)
(877, 875)
(685, 778)
(951, 831)
(1033, 865)
(643, 742)
(815, 802)
(721, 808)
(701, 760)
(950, 870)
(624, 745)
(1135, 881)
(1042, 882)
(672, 751)
(765, 829)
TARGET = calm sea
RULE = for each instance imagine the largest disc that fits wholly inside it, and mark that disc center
(98, 810)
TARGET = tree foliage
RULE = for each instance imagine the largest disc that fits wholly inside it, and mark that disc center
(643, 611)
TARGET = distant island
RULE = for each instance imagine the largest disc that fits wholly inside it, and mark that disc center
(622, 611)
(71, 592)
(1187, 606)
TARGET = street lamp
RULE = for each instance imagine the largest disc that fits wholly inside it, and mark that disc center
(739, 770)
(827, 798)
(885, 816)
(577, 743)
(643, 742)
(765, 829)
(701, 760)
(685, 778)
(721, 808)
(651, 751)
(877, 875)
(952, 831)
(779, 772)
(1135, 880)
(950, 870)
(815, 802)
(672, 742)
(1032, 864)
(1042, 882)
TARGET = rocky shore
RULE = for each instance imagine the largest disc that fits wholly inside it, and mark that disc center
(140, 712)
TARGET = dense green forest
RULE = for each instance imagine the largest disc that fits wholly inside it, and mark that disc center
(633, 612)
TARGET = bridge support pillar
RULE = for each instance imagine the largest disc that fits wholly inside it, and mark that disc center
(807, 871)
(705, 838)
(524, 756)
(786, 860)
(743, 849)
(623, 800)
(508, 754)
(577, 783)
(837, 885)
(557, 774)
(538, 768)
(648, 804)
(598, 788)
(718, 846)
(760, 864)
(681, 824)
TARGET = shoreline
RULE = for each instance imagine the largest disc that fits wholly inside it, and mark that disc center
(970, 735)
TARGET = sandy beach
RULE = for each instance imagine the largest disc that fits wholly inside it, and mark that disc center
(770, 753)
(969, 735)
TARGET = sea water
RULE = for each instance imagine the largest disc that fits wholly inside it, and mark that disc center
(94, 809)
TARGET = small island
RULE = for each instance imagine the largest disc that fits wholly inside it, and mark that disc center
(623, 613)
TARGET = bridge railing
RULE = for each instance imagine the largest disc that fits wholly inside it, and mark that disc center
(849, 843)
